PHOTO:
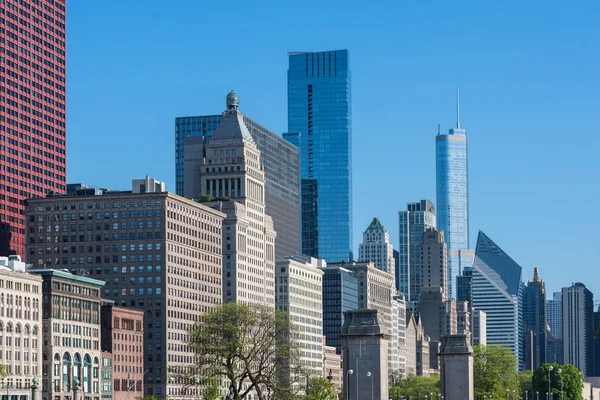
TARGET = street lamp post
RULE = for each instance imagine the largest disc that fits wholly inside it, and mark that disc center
(370, 376)
(550, 368)
(350, 372)
(506, 394)
(561, 383)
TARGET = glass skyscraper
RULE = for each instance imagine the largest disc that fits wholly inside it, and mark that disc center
(320, 124)
(498, 291)
(413, 222)
(452, 198)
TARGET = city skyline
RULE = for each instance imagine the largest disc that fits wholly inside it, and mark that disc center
(495, 95)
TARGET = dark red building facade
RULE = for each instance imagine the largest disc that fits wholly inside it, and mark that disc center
(32, 110)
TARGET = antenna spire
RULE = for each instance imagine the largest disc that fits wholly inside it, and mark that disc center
(458, 107)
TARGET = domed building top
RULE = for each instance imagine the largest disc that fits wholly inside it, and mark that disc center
(233, 101)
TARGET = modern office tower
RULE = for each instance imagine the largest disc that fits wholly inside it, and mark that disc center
(233, 173)
(413, 222)
(122, 335)
(411, 346)
(320, 123)
(33, 117)
(597, 342)
(71, 312)
(278, 158)
(422, 351)
(396, 255)
(376, 248)
(478, 327)
(299, 291)
(578, 328)
(555, 350)
(452, 196)
(534, 323)
(125, 239)
(554, 314)
(340, 293)
(464, 285)
(498, 291)
(20, 327)
(148, 185)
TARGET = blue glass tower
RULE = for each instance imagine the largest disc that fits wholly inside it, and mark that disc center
(452, 197)
(320, 124)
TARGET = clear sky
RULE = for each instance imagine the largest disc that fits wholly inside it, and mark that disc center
(528, 73)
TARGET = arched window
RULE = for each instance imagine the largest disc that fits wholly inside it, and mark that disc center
(9, 328)
(1, 327)
(87, 373)
(35, 330)
(66, 372)
(27, 330)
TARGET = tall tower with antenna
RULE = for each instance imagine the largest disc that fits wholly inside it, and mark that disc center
(452, 197)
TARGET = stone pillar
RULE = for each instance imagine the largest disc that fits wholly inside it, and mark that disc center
(365, 353)
(34, 389)
(76, 394)
(456, 364)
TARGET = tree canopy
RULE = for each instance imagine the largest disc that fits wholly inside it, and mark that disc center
(248, 346)
(494, 371)
(569, 376)
(320, 389)
(417, 387)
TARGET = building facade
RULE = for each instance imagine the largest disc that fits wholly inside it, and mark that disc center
(106, 376)
(464, 285)
(498, 291)
(71, 318)
(33, 137)
(20, 328)
(578, 328)
(376, 248)
(248, 234)
(452, 196)
(413, 222)
(478, 327)
(554, 314)
(299, 291)
(340, 293)
(123, 337)
(534, 323)
(398, 338)
(320, 124)
(157, 252)
(332, 366)
(278, 158)
(411, 346)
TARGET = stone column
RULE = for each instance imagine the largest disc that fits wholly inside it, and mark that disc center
(365, 352)
(456, 368)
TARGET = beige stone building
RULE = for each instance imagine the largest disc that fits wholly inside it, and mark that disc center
(20, 327)
(232, 171)
(157, 252)
(332, 366)
(71, 334)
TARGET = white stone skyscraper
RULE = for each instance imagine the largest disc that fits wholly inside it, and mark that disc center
(376, 247)
(233, 176)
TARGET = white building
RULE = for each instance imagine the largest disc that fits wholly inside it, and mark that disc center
(299, 293)
(148, 185)
(411, 347)
(20, 327)
(376, 248)
(398, 339)
(478, 327)
(232, 172)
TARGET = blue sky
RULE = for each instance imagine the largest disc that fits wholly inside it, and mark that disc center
(528, 73)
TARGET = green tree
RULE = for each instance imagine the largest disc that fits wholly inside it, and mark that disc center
(211, 389)
(204, 197)
(569, 376)
(494, 371)
(525, 378)
(3, 371)
(321, 389)
(249, 346)
(417, 387)
(146, 398)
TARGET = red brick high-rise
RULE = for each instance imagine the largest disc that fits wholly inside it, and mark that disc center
(32, 110)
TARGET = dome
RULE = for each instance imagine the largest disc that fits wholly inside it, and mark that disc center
(233, 101)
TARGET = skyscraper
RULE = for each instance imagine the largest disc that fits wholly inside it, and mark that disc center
(376, 248)
(33, 117)
(534, 323)
(280, 161)
(413, 222)
(452, 196)
(464, 285)
(320, 123)
(578, 328)
(554, 318)
(498, 291)
(233, 170)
